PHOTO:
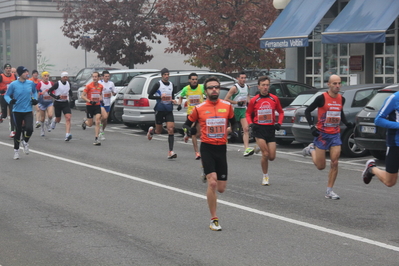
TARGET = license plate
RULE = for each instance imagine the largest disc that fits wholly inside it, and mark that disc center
(368, 129)
(281, 132)
(119, 102)
(130, 103)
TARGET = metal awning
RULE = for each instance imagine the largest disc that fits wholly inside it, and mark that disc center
(293, 26)
(362, 21)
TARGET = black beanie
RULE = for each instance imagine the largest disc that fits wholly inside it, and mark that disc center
(21, 70)
(164, 70)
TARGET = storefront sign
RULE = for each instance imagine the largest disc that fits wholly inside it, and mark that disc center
(356, 63)
(284, 43)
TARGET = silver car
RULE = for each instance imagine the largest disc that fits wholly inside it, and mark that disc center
(139, 110)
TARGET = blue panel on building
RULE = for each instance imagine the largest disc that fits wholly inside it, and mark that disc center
(293, 26)
(362, 21)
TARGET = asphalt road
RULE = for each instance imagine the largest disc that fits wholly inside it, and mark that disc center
(125, 203)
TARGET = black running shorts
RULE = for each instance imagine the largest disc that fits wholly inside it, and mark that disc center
(61, 107)
(391, 160)
(214, 159)
(266, 132)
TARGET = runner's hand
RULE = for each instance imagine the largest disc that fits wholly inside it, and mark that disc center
(315, 132)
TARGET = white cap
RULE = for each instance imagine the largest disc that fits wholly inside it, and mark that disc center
(64, 74)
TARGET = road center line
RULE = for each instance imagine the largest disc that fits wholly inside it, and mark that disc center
(237, 206)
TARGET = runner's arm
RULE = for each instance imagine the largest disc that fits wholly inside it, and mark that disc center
(318, 102)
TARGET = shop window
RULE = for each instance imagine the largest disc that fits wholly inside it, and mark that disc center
(385, 63)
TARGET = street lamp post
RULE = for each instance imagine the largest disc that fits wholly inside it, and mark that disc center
(84, 45)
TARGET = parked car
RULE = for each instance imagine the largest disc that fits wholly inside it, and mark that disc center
(118, 106)
(120, 78)
(284, 136)
(367, 134)
(356, 97)
(139, 110)
(83, 77)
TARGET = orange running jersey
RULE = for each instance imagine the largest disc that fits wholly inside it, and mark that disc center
(213, 118)
(329, 116)
(93, 92)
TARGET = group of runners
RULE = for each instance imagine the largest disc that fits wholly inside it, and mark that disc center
(212, 119)
(209, 118)
(19, 92)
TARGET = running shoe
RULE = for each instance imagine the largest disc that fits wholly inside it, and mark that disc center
(97, 142)
(203, 175)
(84, 124)
(16, 155)
(367, 174)
(307, 150)
(38, 124)
(12, 134)
(53, 124)
(68, 138)
(215, 226)
(257, 150)
(26, 147)
(197, 156)
(46, 124)
(101, 136)
(42, 131)
(265, 181)
(332, 195)
(150, 133)
(172, 155)
(248, 152)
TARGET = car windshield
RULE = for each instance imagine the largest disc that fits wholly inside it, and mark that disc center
(378, 100)
(301, 99)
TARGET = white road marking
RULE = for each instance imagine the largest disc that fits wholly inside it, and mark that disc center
(237, 206)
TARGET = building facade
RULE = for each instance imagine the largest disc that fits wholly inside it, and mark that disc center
(356, 39)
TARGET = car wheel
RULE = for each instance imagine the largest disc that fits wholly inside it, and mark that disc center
(349, 147)
(130, 124)
(284, 141)
(380, 155)
(144, 127)
(112, 118)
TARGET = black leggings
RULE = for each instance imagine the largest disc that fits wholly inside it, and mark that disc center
(19, 118)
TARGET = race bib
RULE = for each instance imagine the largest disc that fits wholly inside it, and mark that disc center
(64, 96)
(107, 95)
(194, 100)
(95, 97)
(333, 118)
(216, 127)
(265, 116)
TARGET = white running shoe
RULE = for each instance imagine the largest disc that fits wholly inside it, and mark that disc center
(12, 134)
(257, 149)
(42, 131)
(26, 147)
(307, 150)
(172, 155)
(53, 124)
(332, 195)
(150, 133)
(46, 124)
(101, 136)
(215, 226)
(38, 124)
(265, 181)
(16, 155)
